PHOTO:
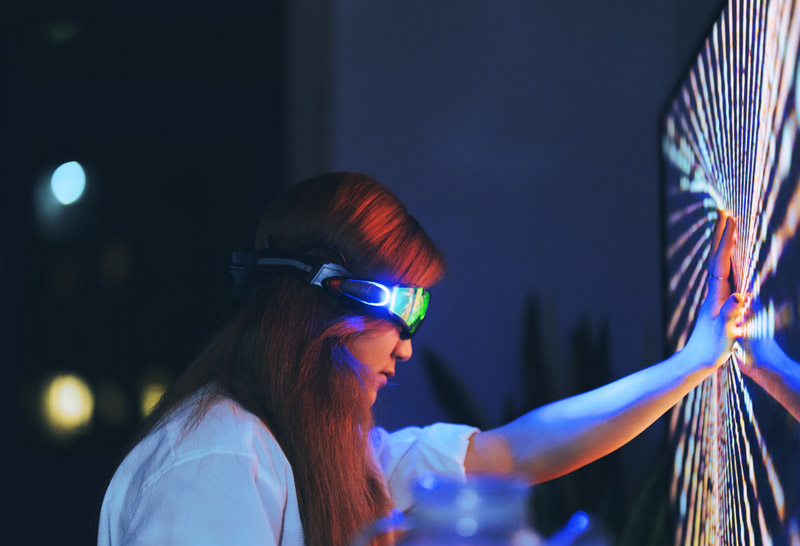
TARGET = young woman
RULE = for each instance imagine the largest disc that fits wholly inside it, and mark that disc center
(268, 437)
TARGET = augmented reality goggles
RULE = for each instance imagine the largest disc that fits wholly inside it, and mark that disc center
(405, 305)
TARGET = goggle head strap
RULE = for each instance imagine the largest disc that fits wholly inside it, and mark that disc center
(252, 269)
(405, 305)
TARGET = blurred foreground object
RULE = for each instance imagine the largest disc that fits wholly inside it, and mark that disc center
(487, 510)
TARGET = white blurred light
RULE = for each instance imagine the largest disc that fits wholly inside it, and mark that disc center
(428, 481)
(68, 182)
(67, 403)
(466, 527)
(468, 500)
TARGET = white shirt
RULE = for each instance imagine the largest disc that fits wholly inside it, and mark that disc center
(228, 482)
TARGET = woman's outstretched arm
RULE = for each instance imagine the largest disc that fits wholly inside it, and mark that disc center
(562, 436)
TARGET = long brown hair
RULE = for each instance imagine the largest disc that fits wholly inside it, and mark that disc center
(283, 356)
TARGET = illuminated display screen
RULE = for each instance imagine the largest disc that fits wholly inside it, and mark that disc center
(729, 141)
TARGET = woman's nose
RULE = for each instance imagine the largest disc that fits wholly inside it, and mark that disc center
(403, 350)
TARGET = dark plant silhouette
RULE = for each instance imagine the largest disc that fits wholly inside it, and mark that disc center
(453, 394)
(633, 514)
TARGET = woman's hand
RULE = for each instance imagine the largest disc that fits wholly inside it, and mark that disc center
(763, 360)
(756, 352)
(719, 321)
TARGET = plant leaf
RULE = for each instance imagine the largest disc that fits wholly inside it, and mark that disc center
(451, 392)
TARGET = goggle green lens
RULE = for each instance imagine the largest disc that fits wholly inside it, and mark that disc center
(409, 303)
(406, 303)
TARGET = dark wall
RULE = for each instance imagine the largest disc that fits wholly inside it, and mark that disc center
(525, 138)
(181, 129)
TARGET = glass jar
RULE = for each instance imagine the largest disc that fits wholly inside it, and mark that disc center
(487, 510)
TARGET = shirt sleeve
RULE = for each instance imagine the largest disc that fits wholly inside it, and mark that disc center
(212, 499)
(407, 454)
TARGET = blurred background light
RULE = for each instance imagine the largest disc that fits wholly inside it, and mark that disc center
(67, 404)
(154, 383)
(114, 264)
(112, 404)
(151, 394)
(68, 182)
(64, 31)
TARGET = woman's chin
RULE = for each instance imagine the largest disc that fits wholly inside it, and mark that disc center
(374, 386)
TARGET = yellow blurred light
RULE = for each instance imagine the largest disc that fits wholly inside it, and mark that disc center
(67, 403)
(151, 394)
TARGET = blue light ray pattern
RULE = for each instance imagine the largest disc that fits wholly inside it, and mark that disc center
(729, 142)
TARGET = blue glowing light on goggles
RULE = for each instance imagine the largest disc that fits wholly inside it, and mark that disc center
(403, 304)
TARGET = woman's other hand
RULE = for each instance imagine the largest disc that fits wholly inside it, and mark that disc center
(763, 360)
(756, 350)
(719, 322)
(758, 354)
